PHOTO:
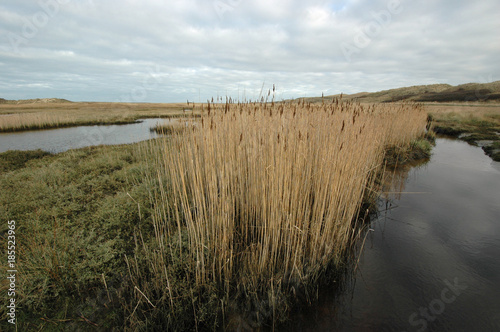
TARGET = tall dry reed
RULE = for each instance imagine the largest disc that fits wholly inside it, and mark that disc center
(261, 198)
(19, 117)
(25, 121)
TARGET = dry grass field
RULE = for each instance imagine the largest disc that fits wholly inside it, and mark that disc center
(33, 116)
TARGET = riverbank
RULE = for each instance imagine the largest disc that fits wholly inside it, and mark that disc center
(37, 116)
(75, 222)
(479, 125)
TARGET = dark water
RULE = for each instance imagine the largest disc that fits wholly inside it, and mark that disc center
(432, 261)
(63, 139)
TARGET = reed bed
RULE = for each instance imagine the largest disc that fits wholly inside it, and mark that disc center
(27, 121)
(260, 199)
(175, 126)
(55, 115)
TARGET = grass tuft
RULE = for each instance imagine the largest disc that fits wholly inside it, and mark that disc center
(13, 160)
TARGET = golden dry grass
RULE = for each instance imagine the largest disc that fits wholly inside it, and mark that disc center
(483, 121)
(465, 111)
(261, 199)
(52, 115)
(39, 120)
(175, 126)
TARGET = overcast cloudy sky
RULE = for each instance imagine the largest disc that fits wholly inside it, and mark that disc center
(167, 51)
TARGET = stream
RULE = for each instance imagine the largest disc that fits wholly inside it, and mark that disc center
(430, 261)
(63, 139)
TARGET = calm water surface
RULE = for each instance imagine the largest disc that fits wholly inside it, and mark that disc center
(432, 261)
(63, 139)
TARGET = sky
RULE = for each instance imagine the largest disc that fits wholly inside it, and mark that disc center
(179, 50)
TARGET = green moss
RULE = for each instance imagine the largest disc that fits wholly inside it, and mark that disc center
(78, 214)
(13, 160)
(493, 150)
(473, 138)
(75, 222)
(420, 149)
(495, 156)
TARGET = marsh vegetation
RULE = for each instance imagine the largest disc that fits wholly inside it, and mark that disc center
(244, 212)
(35, 116)
(477, 125)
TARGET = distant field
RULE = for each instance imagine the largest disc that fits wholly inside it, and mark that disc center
(38, 115)
(18, 115)
(472, 109)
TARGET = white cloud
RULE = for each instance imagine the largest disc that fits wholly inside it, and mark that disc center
(90, 50)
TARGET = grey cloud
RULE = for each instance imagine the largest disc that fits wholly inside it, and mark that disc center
(102, 50)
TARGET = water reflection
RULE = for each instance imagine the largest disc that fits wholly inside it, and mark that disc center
(431, 262)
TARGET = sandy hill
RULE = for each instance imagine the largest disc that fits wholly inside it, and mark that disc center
(34, 101)
(482, 92)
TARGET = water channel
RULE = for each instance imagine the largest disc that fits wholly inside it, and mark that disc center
(431, 260)
(63, 139)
